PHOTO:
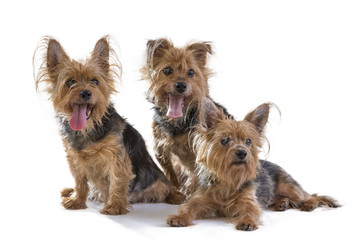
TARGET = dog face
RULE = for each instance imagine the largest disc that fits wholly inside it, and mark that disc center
(79, 90)
(177, 76)
(228, 148)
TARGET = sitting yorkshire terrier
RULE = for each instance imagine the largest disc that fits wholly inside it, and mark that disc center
(233, 182)
(102, 148)
(178, 80)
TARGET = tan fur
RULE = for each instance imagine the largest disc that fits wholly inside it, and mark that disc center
(293, 196)
(240, 207)
(223, 190)
(107, 167)
(97, 158)
(237, 132)
(157, 192)
(176, 150)
(57, 68)
(228, 167)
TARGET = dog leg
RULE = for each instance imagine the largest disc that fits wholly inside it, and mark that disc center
(199, 205)
(119, 175)
(247, 211)
(77, 200)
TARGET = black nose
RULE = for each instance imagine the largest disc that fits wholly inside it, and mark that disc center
(241, 154)
(180, 87)
(85, 94)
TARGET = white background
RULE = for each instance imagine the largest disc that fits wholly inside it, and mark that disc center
(302, 55)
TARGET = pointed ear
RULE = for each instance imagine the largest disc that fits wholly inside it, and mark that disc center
(55, 55)
(155, 50)
(200, 51)
(209, 114)
(101, 53)
(259, 117)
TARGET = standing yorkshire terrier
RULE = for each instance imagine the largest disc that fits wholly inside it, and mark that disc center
(233, 182)
(102, 148)
(178, 80)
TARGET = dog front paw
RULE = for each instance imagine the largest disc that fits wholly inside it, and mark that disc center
(114, 210)
(246, 226)
(73, 203)
(178, 221)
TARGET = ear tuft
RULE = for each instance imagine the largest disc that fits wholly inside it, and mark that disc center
(259, 117)
(209, 114)
(158, 44)
(55, 54)
(102, 48)
(155, 50)
(200, 51)
(101, 52)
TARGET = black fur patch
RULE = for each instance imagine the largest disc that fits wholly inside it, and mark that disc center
(265, 186)
(267, 180)
(147, 172)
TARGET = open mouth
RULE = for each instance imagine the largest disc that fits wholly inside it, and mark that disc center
(81, 113)
(175, 104)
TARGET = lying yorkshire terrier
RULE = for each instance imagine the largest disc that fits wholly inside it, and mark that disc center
(233, 182)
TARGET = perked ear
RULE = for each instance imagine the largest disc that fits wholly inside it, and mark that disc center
(200, 51)
(209, 114)
(155, 50)
(259, 117)
(55, 55)
(158, 44)
(101, 53)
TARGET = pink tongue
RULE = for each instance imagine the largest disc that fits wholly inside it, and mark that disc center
(175, 106)
(78, 118)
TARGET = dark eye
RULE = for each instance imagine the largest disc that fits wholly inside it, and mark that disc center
(225, 141)
(70, 82)
(95, 81)
(190, 73)
(167, 71)
(248, 142)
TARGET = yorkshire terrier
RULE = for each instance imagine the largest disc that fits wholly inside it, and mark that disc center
(233, 182)
(105, 153)
(178, 80)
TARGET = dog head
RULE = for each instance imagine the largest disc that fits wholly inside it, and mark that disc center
(178, 77)
(80, 90)
(228, 149)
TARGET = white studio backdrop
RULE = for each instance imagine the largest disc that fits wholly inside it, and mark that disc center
(303, 56)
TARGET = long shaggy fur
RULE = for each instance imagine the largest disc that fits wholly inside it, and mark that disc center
(233, 182)
(42, 75)
(107, 156)
(173, 148)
